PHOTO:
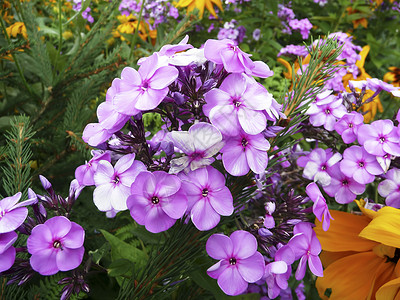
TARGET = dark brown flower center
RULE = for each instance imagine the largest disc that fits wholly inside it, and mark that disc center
(232, 261)
(204, 193)
(57, 244)
(155, 200)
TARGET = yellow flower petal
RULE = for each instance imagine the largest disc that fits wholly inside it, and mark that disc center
(390, 290)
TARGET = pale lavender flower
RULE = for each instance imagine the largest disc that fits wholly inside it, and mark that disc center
(360, 165)
(321, 3)
(7, 251)
(327, 114)
(285, 13)
(318, 163)
(347, 126)
(245, 152)
(200, 144)
(12, 213)
(307, 247)
(342, 187)
(208, 197)
(293, 50)
(157, 200)
(234, 60)
(238, 104)
(379, 137)
(256, 34)
(390, 188)
(143, 89)
(85, 173)
(56, 245)
(269, 221)
(113, 183)
(320, 208)
(303, 25)
(239, 261)
(94, 134)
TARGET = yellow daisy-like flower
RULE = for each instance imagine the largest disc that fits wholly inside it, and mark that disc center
(200, 4)
(128, 26)
(360, 255)
(362, 21)
(393, 76)
(17, 28)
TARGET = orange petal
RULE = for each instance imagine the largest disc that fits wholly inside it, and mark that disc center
(390, 290)
(343, 233)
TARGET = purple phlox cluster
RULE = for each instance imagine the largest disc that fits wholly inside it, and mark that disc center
(157, 200)
(200, 143)
(85, 173)
(375, 85)
(56, 245)
(318, 163)
(239, 261)
(320, 208)
(306, 247)
(360, 165)
(232, 31)
(256, 34)
(86, 13)
(294, 50)
(349, 50)
(285, 13)
(208, 197)
(303, 25)
(343, 188)
(279, 271)
(234, 59)
(238, 104)
(348, 125)
(113, 182)
(390, 188)
(326, 111)
(245, 152)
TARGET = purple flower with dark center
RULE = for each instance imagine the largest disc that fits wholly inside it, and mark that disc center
(279, 271)
(245, 152)
(238, 103)
(12, 213)
(208, 197)
(7, 251)
(342, 187)
(347, 126)
(317, 164)
(113, 183)
(234, 60)
(239, 261)
(320, 208)
(56, 245)
(85, 173)
(307, 247)
(360, 165)
(200, 144)
(379, 137)
(390, 188)
(327, 114)
(157, 200)
(143, 89)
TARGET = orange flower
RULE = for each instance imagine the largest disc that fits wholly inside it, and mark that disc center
(200, 4)
(362, 21)
(360, 255)
(393, 76)
(17, 28)
(128, 26)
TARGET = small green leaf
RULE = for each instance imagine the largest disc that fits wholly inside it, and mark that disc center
(120, 267)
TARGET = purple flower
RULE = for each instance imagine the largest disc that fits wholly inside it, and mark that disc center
(85, 173)
(143, 89)
(342, 187)
(347, 126)
(256, 34)
(7, 251)
(279, 271)
(360, 165)
(113, 183)
(208, 197)
(245, 152)
(157, 200)
(326, 114)
(234, 60)
(320, 208)
(390, 188)
(307, 247)
(379, 137)
(12, 213)
(56, 245)
(303, 25)
(294, 50)
(238, 103)
(94, 134)
(269, 221)
(317, 164)
(200, 144)
(239, 261)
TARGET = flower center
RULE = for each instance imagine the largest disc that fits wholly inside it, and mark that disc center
(327, 111)
(204, 193)
(155, 200)
(232, 261)
(116, 180)
(57, 244)
(382, 139)
(361, 164)
(145, 85)
(345, 182)
(244, 142)
(2, 213)
(323, 167)
(395, 258)
(350, 125)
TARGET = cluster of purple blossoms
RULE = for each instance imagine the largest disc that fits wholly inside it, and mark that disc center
(289, 21)
(232, 31)
(293, 50)
(86, 13)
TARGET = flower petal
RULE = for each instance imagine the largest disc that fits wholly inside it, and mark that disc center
(69, 259)
(219, 246)
(231, 282)
(252, 268)
(244, 244)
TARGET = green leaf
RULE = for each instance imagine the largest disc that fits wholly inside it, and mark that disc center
(120, 267)
(120, 249)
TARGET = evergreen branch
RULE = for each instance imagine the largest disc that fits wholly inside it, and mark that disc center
(16, 173)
